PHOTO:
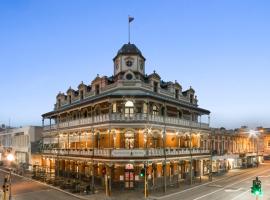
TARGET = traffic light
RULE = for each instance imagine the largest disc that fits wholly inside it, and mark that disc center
(256, 188)
(142, 174)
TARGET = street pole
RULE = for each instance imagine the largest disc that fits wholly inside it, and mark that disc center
(211, 156)
(9, 184)
(145, 182)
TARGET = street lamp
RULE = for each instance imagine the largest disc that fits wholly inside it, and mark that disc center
(10, 158)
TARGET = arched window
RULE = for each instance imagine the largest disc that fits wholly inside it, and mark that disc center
(129, 109)
(129, 140)
(155, 110)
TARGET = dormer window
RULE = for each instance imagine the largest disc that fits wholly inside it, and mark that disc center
(177, 94)
(97, 89)
(155, 86)
(69, 99)
(81, 95)
(59, 103)
(191, 98)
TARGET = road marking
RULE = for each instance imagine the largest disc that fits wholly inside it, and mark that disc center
(214, 185)
(240, 195)
(233, 190)
(226, 187)
(192, 188)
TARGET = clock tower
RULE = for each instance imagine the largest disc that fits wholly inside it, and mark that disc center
(129, 63)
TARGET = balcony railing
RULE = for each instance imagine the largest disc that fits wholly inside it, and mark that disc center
(127, 153)
(128, 118)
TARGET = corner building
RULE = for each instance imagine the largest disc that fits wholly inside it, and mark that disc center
(105, 133)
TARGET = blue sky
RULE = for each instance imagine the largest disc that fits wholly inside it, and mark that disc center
(221, 48)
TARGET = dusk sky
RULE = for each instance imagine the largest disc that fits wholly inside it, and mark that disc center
(220, 48)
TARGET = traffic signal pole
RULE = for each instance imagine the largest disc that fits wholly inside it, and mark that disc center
(145, 182)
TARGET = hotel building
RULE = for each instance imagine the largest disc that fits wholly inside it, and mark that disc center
(107, 132)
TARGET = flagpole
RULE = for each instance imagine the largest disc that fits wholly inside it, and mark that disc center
(128, 30)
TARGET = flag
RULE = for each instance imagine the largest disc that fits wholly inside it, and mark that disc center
(130, 19)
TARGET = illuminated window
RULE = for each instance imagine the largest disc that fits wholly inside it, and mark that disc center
(114, 108)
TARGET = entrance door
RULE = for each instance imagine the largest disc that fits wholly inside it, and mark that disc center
(129, 179)
(129, 176)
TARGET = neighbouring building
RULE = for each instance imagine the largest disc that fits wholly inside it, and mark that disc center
(22, 143)
(239, 148)
(114, 127)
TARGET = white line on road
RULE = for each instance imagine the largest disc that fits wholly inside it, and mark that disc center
(240, 195)
(226, 187)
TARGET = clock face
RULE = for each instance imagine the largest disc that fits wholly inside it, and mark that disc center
(129, 63)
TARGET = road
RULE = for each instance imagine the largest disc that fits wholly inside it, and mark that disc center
(231, 188)
(235, 187)
(25, 189)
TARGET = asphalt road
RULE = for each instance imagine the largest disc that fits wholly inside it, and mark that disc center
(235, 187)
(24, 189)
(231, 188)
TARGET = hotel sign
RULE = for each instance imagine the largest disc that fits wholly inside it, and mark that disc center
(128, 153)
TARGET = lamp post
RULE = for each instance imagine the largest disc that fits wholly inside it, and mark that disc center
(10, 158)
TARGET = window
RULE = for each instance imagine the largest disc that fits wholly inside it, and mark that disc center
(81, 94)
(155, 110)
(129, 109)
(177, 94)
(114, 110)
(268, 143)
(145, 110)
(69, 99)
(97, 89)
(129, 76)
(180, 114)
(155, 87)
(191, 98)
(59, 103)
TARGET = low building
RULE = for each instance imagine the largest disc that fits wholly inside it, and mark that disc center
(21, 142)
